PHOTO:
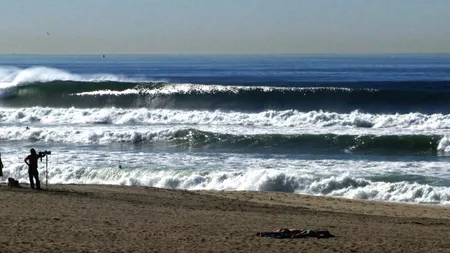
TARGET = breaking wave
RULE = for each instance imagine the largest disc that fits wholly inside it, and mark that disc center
(56, 88)
(292, 119)
(191, 138)
(394, 188)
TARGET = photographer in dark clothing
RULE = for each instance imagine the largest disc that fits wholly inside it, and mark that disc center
(32, 162)
(1, 166)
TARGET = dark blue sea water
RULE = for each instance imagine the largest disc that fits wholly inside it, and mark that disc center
(367, 127)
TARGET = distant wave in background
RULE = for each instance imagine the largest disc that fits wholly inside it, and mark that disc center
(41, 86)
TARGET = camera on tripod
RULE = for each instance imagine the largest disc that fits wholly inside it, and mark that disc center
(46, 152)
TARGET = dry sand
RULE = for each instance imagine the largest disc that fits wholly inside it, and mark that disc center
(94, 218)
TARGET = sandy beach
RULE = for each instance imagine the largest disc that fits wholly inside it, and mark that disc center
(100, 218)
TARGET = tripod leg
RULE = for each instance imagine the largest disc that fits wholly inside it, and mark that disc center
(46, 172)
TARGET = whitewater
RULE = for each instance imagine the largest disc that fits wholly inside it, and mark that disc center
(355, 127)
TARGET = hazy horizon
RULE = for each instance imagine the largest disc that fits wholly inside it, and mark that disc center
(184, 27)
(225, 54)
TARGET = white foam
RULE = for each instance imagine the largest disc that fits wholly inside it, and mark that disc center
(87, 135)
(239, 172)
(414, 123)
(348, 187)
(444, 144)
(189, 88)
(13, 76)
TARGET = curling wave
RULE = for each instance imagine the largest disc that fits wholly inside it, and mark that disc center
(41, 86)
(213, 97)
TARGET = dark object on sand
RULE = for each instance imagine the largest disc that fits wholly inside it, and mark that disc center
(13, 183)
(296, 233)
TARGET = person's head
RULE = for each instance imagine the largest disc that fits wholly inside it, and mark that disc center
(33, 151)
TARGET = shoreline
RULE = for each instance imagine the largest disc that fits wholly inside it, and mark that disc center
(114, 218)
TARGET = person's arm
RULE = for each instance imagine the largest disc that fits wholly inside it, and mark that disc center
(1, 164)
(26, 160)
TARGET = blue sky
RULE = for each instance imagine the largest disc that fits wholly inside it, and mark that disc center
(225, 26)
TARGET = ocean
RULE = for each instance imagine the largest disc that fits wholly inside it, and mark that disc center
(359, 126)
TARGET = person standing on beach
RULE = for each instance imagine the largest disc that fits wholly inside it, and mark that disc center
(32, 162)
(1, 166)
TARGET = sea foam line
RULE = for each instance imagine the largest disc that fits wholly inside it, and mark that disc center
(189, 88)
(268, 118)
(255, 180)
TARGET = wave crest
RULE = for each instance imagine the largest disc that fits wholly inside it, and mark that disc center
(42, 86)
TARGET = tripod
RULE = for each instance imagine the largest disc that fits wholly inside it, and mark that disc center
(46, 172)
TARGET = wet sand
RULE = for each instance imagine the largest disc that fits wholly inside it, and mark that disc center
(99, 218)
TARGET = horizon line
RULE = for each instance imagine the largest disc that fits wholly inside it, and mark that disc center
(231, 54)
